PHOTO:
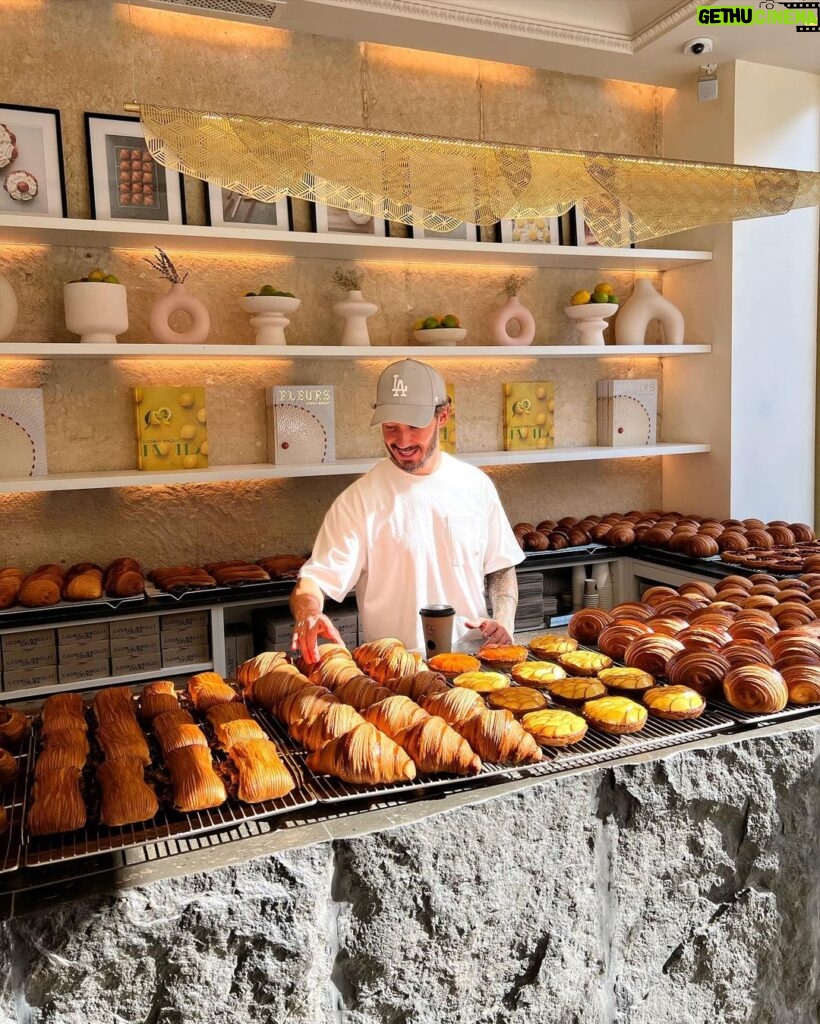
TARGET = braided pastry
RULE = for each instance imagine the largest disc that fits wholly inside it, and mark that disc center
(757, 689)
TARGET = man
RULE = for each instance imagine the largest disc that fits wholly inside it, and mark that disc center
(419, 528)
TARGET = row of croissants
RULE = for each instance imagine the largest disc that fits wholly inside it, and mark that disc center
(376, 715)
(252, 766)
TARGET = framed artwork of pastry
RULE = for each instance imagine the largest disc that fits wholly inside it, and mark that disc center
(126, 182)
(530, 231)
(225, 208)
(462, 232)
(332, 220)
(32, 180)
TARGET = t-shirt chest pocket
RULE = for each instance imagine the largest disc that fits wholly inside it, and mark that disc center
(466, 537)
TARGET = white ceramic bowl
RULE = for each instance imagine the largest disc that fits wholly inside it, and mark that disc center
(441, 335)
(269, 303)
(96, 310)
(591, 310)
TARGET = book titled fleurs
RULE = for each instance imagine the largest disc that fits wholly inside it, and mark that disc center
(627, 412)
(22, 433)
(529, 415)
(447, 433)
(172, 428)
(301, 423)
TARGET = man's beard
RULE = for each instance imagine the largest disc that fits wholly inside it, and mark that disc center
(416, 464)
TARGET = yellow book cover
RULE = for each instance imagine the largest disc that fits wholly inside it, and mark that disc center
(447, 433)
(172, 430)
(529, 415)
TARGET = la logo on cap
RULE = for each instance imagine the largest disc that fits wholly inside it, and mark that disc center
(399, 387)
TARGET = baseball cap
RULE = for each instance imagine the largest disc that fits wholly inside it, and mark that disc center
(408, 392)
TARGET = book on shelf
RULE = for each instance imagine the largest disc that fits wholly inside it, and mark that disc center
(172, 428)
(22, 433)
(447, 433)
(301, 421)
(627, 412)
(529, 415)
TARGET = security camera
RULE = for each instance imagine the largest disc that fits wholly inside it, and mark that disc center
(697, 47)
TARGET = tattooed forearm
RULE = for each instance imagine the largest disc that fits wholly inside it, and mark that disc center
(502, 587)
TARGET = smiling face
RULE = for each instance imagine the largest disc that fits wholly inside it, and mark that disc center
(415, 449)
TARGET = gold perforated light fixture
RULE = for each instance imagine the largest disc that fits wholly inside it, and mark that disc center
(437, 183)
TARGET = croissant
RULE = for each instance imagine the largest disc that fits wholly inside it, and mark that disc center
(454, 706)
(499, 737)
(281, 567)
(335, 671)
(123, 739)
(703, 671)
(195, 784)
(261, 773)
(417, 684)
(366, 655)
(233, 712)
(756, 688)
(153, 704)
(13, 727)
(251, 670)
(85, 586)
(436, 747)
(126, 796)
(10, 582)
(66, 750)
(8, 768)
(361, 692)
(60, 704)
(305, 703)
(803, 683)
(174, 737)
(208, 688)
(124, 578)
(651, 653)
(363, 755)
(58, 804)
(614, 640)
(39, 592)
(394, 715)
(329, 724)
(269, 690)
(241, 730)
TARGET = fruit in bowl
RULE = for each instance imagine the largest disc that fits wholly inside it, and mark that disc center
(439, 330)
(97, 275)
(270, 308)
(268, 289)
(602, 294)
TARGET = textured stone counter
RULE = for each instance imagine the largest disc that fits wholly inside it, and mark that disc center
(677, 889)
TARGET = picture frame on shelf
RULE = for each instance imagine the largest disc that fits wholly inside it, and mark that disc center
(464, 231)
(125, 181)
(333, 220)
(530, 231)
(32, 174)
(580, 231)
(224, 208)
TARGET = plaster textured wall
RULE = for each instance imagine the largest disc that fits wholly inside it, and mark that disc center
(680, 891)
(182, 60)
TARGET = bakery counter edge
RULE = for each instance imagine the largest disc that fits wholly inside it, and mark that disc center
(676, 887)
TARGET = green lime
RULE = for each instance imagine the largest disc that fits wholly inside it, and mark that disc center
(111, 279)
(267, 289)
(451, 320)
(430, 323)
(248, 295)
(601, 297)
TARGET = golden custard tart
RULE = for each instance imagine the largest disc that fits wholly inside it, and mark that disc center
(576, 690)
(452, 665)
(482, 682)
(518, 699)
(584, 663)
(554, 727)
(502, 657)
(540, 674)
(626, 681)
(617, 715)
(550, 646)
(675, 703)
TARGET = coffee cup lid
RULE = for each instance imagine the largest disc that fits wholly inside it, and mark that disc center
(437, 611)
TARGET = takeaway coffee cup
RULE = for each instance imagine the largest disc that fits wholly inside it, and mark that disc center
(437, 626)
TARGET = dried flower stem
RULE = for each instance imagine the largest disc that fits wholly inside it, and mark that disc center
(513, 284)
(165, 266)
(349, 280)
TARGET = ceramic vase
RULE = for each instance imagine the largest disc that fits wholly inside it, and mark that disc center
(176, 300)
(646, 304)
(8, 308)
(269, 319)
(96, 310)
(355, 309)
(500, 321)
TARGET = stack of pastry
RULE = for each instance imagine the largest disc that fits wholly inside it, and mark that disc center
(126, 797)
(58, 804)
(256, 769)
(195, 784)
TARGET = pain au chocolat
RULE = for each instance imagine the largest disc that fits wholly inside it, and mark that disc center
(675, 703)
(617, 715)
(553, 727)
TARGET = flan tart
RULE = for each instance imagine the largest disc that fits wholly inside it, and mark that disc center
(550, 646)
(584, 663)
(518, 699)
(452, 665)
(576, 690)
(554, 727)
(481, 682)
(539, 674)
(675, 703)
(617, 715)
(502, 657)
(628, 682)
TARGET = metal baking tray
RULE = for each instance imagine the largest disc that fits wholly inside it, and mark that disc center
(754, 718)
(13, 801)
(168, 824)
(100, 602)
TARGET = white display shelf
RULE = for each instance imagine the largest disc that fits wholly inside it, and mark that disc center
(301, 244)
(342, 467)
(94, 684)
(75, 350)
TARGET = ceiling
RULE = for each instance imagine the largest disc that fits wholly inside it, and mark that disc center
(631, 40)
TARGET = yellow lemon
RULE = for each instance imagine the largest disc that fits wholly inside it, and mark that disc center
(603, 287)
(580, 298)
(96, 275)
(418, 324)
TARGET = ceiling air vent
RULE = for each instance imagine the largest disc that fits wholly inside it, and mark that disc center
(258, 12)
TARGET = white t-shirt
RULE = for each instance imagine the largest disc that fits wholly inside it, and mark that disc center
(404, 541)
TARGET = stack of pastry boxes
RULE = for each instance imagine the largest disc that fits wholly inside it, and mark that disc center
(151, 642)
(278, 629)
(29, 659)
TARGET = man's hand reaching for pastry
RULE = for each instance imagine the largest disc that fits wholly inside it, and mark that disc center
(306, 635)
(492, 631)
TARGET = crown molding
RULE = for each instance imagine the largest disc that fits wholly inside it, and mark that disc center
(470, 18)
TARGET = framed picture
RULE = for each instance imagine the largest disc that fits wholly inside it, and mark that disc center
(224, 207)
(126, 182)
(530, 230)
(332, 220)
(31, 162)
(463, 232)
(582, 233)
